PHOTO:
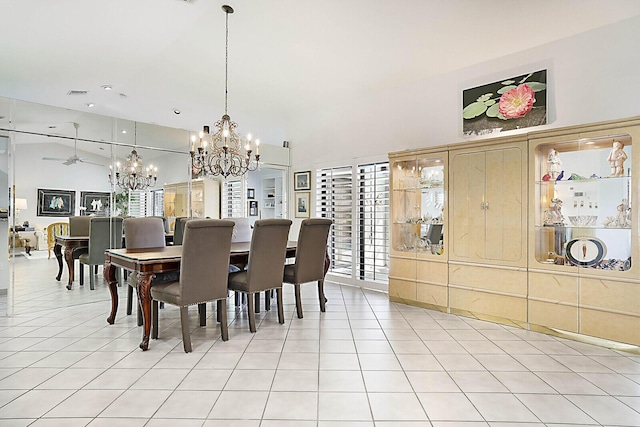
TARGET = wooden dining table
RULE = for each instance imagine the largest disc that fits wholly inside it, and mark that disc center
(151, 261)
(69, 243)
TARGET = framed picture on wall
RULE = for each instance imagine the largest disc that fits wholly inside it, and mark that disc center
(56, 202)
(302, 205)
(251, 193)
(253, 208)
(92, 203)
(302, 181)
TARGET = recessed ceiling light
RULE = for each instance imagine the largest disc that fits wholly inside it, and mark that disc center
(176, 111)
(53, 127)
(124, 131)
(90, 104)
(106, 87)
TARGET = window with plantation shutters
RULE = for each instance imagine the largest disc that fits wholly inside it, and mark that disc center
(372, 211)
(156, 203)
(232, 199)
(138, 203)
(334, 192)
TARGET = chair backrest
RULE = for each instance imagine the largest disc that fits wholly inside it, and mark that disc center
(56, 229)
(267, 254)
(104, 233)
(204, 270)
(310, 252)
(242, 230)
(178, 230)
(145, 232)
(165, 223)
(79, 225)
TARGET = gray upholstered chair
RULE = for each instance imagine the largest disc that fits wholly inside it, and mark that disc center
(104, 233)
(79, 226)
(310, 258)
(203, 275)
(178, 230)
(265, 269)
(142, 233)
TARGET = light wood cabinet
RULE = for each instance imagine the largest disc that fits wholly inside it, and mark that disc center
(205, 200)
(418, 267)
(488, 204)
(509, 254)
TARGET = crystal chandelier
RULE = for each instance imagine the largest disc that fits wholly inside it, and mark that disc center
(224, 153)
(133, 175)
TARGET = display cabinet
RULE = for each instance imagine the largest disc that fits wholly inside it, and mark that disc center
(583, 202)
(583, 243)
(418, 270)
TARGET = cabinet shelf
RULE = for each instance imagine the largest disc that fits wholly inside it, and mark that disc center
(585, 181)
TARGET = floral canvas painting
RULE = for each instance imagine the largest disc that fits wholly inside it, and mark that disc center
(514, 103)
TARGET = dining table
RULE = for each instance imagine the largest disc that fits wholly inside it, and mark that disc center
(148, 262)
(69, 243)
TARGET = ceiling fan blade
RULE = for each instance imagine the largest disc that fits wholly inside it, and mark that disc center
(69, 162)
(58, 159)
(90, 163)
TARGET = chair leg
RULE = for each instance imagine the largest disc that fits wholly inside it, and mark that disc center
(92, 278)
(186, 336)
(82, 274)
(95, 269)
(280, 306)
(154, 320)
(222, 312)
(267, 300)
(252, 315)
(321, 295)
(202, 310)
(296, 287)
(257, 302)
(129, 300)
(237, 298)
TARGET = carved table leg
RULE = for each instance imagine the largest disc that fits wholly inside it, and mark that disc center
(143, 284)
(109, 274)
(57, 251)
(68, 256)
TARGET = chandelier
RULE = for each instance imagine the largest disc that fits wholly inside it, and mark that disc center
(133, 175)
(224, 152)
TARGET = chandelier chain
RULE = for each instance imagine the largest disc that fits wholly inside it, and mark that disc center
(226, 60)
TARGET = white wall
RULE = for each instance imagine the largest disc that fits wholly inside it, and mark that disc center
(32, 173)
(591, 77)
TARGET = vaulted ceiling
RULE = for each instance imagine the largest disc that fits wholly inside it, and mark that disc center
(286, 57)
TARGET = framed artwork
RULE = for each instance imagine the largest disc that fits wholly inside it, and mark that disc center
(513, 103)
(56, 202)
(302, 181)
(253, 208)
(251, 193)
(302, 205)
(96, 204)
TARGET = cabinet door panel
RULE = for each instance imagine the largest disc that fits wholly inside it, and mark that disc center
(504, 201)
(468, 222)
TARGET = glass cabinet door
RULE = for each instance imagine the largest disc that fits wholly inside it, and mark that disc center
(418, 205)
(583, 192)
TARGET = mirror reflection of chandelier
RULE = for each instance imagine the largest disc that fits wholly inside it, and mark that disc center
(224, 153)
(133, 175)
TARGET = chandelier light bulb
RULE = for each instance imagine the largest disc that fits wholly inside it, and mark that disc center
(249, 137)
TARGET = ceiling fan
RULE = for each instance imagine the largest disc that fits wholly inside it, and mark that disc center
(71, 160)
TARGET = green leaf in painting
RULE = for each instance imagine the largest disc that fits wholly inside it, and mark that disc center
(536, 86)
(505, 89)
(473, 110)
(484, 97)
(508, 82)
(525, 79)
(493, 111)
(489, 102)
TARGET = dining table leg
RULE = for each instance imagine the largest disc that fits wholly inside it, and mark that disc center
(57, 251)
(109, 274)
(143, 284)
(68, 257)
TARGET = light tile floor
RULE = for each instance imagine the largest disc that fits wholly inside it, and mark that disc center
(365, 362)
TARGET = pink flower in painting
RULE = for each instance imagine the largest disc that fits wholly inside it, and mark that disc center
(516, 102)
